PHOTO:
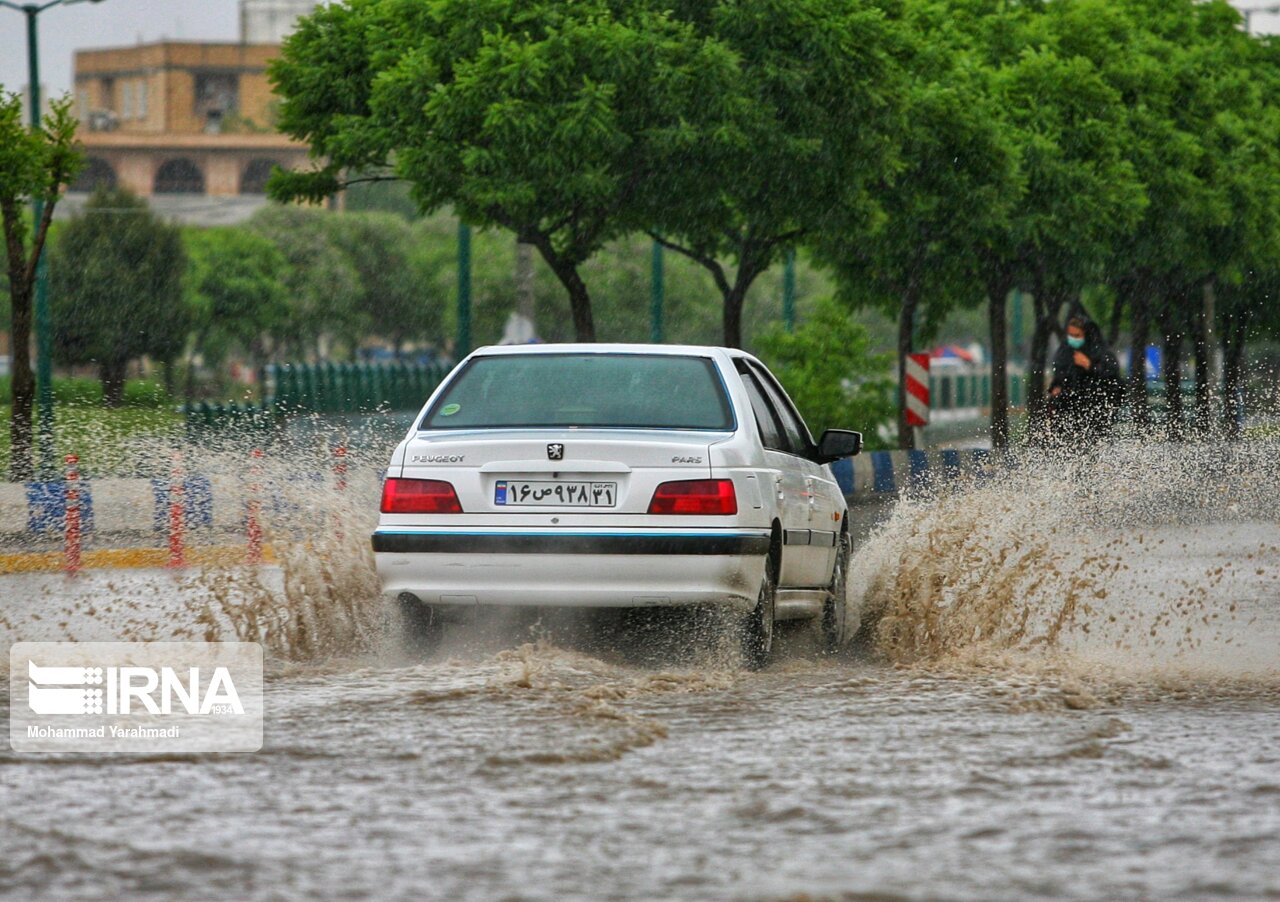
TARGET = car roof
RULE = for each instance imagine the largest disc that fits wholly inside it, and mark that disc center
(612, 348)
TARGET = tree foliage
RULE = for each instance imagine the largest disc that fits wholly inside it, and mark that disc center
(831, 372)
(117, 288)
(234, 289)
(549, 119)
(35, 164)
(809, 134)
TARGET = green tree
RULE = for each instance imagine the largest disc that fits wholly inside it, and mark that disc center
(1080, 193)
(812, 123)
(955, 189)
(390, 296)
(235, 294)
(322, 287)
(117, 280)
(546, 118)
(829, 370)
(34, 165)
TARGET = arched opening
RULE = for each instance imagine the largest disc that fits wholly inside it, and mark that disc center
(97, 173)
(254, 178)
(179, 177)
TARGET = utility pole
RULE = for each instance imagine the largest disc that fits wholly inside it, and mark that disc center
(462, 344)
(43, 321)
(789, 291)
(524, 280)
(44, 324)
(657, 294)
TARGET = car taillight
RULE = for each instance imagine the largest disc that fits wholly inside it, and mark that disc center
(695, 496)
(419, 496)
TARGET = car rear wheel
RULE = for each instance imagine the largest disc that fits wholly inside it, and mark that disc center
(419, 626)
(835, 610)
(758, 626)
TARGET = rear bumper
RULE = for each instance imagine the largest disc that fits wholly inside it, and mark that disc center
(596, 569)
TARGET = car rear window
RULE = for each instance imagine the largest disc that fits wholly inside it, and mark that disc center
(639, 391)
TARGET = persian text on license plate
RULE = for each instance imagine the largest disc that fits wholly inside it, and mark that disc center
(558, 494)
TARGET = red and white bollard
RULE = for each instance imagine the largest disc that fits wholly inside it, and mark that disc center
(72, 547)
(177, 519)
(340, 467)
(340, 476)
(253, 509)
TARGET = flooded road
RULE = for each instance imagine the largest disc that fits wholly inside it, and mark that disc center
(1052, 712)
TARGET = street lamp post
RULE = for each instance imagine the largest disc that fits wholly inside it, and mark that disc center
(789, 291)
(43, 321)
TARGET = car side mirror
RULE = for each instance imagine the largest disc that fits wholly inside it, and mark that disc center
(837, 443)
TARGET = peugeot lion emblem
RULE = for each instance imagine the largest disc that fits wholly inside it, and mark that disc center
(555, 451)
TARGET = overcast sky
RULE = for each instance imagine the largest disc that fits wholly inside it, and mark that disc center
(118, 23)
(111, 23)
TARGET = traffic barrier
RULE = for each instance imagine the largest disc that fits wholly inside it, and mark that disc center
(197, 505)
(917, 393)
(340, 486)
(177, 515)
(46, 509)
(253, 509)
(881, 474)
(72, 544)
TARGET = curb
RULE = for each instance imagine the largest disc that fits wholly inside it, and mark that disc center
(129, 559)
(878, 474)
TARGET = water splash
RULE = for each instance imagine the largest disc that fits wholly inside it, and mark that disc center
(1141, 562)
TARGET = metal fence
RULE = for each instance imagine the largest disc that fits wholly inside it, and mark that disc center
(965, 390)
(294, 389)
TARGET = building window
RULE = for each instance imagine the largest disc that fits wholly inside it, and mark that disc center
(126, 100)
(84, 105)
(217, 95)
(179, 177)
(141, 99)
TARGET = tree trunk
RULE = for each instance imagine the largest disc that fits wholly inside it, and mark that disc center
(1048, 308)
(1204, 389)
(1205, 348)
(1117, 314)
(734, 299)
(584, 326)
(169, 376)
(23, 388)
(1138, 402)
(112, 375)
(1172, 372)
(906, 334)
(1232, 373)
(524, 280)
(997, 321)
(1036, 357)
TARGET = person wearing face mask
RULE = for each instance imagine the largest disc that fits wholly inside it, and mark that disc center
(1086, 390)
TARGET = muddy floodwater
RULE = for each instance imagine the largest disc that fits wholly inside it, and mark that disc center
(1058, 696)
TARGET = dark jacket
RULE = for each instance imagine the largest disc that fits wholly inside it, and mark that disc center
(1089, 398)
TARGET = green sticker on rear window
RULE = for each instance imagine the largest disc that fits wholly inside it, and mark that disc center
(450, 409)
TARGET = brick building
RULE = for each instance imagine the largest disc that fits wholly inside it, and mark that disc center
(189, 125)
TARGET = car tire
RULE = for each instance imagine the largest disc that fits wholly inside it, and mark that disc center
(419, 627)
(835, 610)
(758, 626)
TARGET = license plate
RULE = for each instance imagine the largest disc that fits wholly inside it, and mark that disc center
(510, 492)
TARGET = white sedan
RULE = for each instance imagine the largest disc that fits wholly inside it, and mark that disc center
(617, 476)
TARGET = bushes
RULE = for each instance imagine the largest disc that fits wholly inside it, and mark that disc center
(78, 391)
